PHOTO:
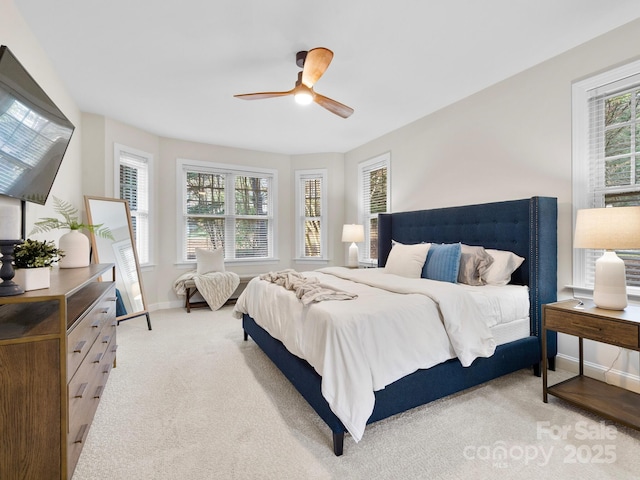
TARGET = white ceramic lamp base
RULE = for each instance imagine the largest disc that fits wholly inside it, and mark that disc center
(353, 255)
(610, 290)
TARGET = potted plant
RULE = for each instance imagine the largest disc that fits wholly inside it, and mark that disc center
(33, 260)
(74, 244)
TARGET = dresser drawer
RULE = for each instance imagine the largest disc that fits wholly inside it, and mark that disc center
(85, 333)
(609, 331)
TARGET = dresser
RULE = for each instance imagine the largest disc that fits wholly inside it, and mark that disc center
(57, 348)
(614, 327)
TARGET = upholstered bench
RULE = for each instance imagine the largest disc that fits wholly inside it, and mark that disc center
(191, 290)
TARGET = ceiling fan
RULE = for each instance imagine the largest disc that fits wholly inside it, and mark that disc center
(313, 63)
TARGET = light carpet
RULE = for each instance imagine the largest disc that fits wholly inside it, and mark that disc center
(191, 400)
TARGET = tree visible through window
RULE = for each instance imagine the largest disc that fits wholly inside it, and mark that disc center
(606, 156)
(311, 214)
(228, 209)
(374, 199)
(622, 162)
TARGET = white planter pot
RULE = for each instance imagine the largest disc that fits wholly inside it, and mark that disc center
(77, 251)
(32, 278)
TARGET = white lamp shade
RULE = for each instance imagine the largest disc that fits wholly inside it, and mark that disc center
(353, 233)
(611, 228)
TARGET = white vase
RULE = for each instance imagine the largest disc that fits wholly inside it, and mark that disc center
(32, 278)
(77, 251)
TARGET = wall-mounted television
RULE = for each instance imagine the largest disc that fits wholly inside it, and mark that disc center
(34, 134)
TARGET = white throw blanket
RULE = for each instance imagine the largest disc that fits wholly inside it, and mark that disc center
(215, 287)
(363, 345)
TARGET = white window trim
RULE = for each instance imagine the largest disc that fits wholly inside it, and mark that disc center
(382, 160)
(580, 94)
(181, 166)
(321, 173)
(118, 150)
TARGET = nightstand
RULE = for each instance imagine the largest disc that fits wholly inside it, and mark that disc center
(614, 327)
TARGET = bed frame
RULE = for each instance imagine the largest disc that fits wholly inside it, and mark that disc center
(526, 227)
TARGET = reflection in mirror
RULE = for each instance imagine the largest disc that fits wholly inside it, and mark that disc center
(114, 214)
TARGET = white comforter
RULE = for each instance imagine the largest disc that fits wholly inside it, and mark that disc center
(361, 345)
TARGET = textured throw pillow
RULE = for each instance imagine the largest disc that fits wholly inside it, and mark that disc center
(209, 260)
(474, 262)
(504, 264)
(443, 262)
(407, 260)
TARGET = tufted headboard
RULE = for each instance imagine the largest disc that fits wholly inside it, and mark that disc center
(526, 227)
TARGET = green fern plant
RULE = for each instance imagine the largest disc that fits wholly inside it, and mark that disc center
(70, 220)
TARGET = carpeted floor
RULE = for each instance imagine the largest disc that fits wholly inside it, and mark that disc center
(191, 400)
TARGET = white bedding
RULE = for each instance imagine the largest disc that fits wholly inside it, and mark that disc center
(361, 345)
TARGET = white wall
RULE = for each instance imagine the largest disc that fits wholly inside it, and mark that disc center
(16, 35)
(512, 140)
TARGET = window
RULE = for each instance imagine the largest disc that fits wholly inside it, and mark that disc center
(374, 192)
(132, 182)
(226, 206)
(311, 214)
(606, 156)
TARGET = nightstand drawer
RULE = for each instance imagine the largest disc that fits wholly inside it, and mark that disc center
(600, 329)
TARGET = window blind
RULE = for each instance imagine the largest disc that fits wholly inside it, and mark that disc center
(229, 209)
(134, 187)
(614, 159)
(312, 217)
(374, 191)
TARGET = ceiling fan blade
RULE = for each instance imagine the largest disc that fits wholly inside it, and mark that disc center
(261, 95)
(333, 106)
(315, 64)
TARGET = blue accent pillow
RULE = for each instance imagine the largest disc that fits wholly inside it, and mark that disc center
(443, 262)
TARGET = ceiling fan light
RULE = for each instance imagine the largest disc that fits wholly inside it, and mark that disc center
(303, 98)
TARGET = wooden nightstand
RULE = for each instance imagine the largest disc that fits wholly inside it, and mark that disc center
(614, 327)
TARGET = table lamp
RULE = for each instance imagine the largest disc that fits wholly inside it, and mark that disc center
(610, 228)
(353, 233)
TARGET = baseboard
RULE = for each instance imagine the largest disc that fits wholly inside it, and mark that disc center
(600, 372)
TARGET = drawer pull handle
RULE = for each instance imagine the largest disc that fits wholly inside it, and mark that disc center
(107, 368)
(95, 324)
(112, 299)
(98, 358)
(98, 391)
(79, 346)
(106, 339)
(81, 433)
(104, 310)
(81, 389)
(115, 347)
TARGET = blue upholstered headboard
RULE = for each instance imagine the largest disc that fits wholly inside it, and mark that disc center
(525, 227)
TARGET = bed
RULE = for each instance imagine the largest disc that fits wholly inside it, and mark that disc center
(527, 228)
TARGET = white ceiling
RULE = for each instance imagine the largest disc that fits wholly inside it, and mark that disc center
(172, 68)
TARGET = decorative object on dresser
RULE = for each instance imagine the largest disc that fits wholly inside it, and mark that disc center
(610, 229)
(33, 260)
(353, 234)
(74, 244)
(10, 234)
(119, 247)
(57, 348)
(614, 327)
(526, 228)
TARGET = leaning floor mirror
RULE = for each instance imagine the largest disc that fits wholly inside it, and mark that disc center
(114, 214)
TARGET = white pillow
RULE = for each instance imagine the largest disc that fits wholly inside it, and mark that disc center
(504, 264)
(209, 260)
(407, 260)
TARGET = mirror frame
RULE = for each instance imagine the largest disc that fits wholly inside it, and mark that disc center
(96, 257)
